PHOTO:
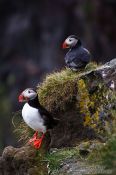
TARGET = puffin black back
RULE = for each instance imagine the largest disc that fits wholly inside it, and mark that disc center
(34, 102)
(49, 121)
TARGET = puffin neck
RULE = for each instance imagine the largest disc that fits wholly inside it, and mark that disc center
(34, 103)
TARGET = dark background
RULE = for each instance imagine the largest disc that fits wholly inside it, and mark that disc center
(31, 35)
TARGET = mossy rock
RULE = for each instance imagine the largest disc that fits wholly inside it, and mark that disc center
(81, 100)
(78, 99)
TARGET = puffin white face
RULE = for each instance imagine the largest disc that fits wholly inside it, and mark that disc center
(27, 94)
(70, 42)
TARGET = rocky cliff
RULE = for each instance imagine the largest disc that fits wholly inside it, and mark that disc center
(85, 103)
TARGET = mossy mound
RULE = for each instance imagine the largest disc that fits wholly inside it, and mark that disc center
(58, 89)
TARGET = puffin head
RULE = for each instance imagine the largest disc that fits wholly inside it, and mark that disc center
(27, 95)
(71, 41)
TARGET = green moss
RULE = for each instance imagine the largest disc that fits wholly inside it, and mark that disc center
(58, 89)
(91, 66)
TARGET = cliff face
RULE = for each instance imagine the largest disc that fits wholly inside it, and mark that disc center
(85, 103)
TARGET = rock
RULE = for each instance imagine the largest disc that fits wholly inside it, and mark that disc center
(9, 152)
(21, 161)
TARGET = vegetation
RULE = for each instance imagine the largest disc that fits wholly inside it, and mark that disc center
(106, 154)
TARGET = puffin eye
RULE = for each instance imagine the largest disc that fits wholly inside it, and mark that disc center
(29, 92)
(70, 40)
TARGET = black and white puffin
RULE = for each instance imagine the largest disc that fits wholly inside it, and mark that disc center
(36, 116)
(78, 56)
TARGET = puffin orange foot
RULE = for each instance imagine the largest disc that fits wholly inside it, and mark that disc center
(38, 142)
(34, 137)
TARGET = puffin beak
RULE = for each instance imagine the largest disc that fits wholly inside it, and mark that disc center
(22, 98)
(65, 45)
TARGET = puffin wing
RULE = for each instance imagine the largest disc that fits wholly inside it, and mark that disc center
(77, 58)
(70, 56)
(82, 57)
(49, 121)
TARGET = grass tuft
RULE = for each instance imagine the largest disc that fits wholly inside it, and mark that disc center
(22, 131)
(56, 158)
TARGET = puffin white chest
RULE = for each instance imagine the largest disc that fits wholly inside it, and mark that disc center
(33, 118)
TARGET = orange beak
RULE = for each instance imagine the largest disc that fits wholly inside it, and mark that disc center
(65, 45)
(22, 98)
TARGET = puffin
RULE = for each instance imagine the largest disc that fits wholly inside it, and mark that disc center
(36, 116)
(77, 57)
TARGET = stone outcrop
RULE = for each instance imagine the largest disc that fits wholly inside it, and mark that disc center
(81, 101)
